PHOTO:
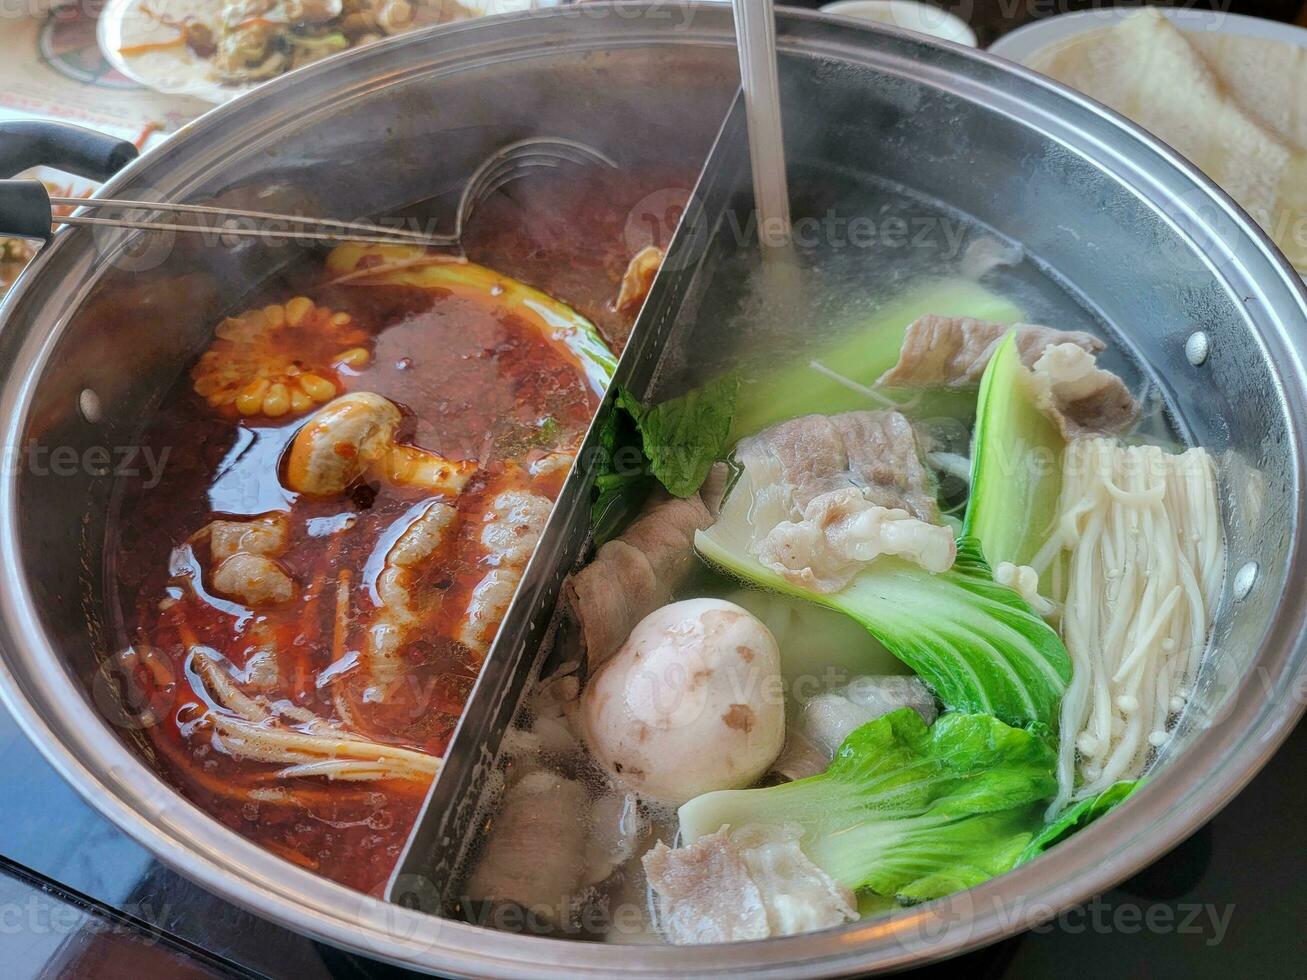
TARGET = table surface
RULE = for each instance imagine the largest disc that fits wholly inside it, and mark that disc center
(79, 899)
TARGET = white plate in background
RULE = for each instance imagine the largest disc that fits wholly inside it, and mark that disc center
(1022, 44)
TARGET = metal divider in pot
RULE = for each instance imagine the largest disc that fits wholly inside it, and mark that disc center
(436, 856)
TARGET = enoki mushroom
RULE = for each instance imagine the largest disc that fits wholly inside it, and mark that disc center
(1143, 575)
(252, 728)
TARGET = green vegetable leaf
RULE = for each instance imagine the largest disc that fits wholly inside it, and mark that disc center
(978, 645)
(1016, 464)
(1077, 817)
(622, 480)
(616, 505)
(972, 763)
(684, 436)
(905, 810)
(967, 851)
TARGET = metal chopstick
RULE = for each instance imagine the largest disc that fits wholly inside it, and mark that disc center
(330, 229)
(321, 236)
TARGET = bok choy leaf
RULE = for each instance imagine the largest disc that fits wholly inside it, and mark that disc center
(905, 811)
(622, 477)
(674, 442)
(978, 645)
(1016, 464)
(1077, 817)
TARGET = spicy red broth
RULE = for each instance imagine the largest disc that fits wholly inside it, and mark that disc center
(303, 671)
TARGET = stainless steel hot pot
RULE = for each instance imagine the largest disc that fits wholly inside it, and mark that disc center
(95, 331)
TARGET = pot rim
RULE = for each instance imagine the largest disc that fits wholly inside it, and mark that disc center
(1168, 808)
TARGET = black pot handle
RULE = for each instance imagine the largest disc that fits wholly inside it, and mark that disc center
(33, 142)
(25, 210)
(25, 204)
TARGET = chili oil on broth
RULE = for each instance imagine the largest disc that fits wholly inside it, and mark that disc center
(473, 383)
(597, 217)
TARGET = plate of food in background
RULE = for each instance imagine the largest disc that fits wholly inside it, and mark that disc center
(1226, 91)
(217, 49)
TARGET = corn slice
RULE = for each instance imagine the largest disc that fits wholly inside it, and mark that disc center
(209, 384)
(297, 309)
(250, 400)
(231, 328)
(354, 357)
(317, 388)
(254, 321)
(255, 368)
(277, 401)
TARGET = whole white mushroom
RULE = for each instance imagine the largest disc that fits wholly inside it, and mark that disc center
(691, 703)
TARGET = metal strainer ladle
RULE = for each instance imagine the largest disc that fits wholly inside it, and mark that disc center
(29, 207)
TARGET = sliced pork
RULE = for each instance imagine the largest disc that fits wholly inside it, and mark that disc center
(1082, 398)
(535, 854)
(634, 574)
(840, 531)
(826, 494)
(953, 351)
(875, 452)
(747, 883)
